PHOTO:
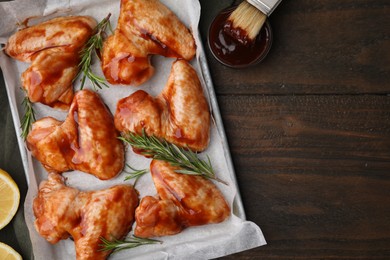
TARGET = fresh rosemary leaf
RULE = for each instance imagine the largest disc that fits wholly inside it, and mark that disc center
(118, 245)
(93, 45)
(186, 160)
(134, 174)
(28, 118)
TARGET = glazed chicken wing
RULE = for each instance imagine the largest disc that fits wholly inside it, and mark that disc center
(145, 27)
(62, 211)
(184, 201)
(53, 49)
(86, 140)
(180, 114)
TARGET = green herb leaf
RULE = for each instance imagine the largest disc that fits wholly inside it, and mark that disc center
(93, 45)
(28, 118)
(118, 245)
(187, 160)
(134, 174)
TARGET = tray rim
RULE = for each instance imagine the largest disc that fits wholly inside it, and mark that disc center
(237, 206)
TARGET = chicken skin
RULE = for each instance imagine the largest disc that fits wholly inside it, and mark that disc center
(86, 140)
(145, 27)
(179, 114)
(63, 211)
(53, 49)
(184, 201)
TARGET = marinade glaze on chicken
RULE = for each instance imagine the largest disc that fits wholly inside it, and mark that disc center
(62, 211)
(87, 140)
(53, 49)
(140, 34)
(179, 114)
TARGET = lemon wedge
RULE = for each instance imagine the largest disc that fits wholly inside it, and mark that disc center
(9, 198)
(8, 253)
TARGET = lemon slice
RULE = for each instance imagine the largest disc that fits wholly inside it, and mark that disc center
(8, 253)
(9, 198)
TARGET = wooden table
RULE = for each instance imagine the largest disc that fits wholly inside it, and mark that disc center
(308, 129)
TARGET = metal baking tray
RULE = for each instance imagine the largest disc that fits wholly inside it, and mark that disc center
(35, 172)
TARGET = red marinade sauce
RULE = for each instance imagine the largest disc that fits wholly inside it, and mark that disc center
(237, 51)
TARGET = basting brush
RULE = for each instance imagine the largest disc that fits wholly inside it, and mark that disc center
(246, 21)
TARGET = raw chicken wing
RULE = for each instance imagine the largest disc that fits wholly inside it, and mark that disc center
(184, 201)
(86, 140)
(62, 211)
(180, 114)
(53, 49)
(145, 27)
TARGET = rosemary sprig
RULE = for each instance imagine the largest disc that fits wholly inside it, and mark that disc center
(118, 245)
(93, 45)
(187, 160)
(28, 118)
(134, 174)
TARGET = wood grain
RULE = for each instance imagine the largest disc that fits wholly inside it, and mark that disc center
(15, 233)
(313, 173)
(320, 47)
(309, 132)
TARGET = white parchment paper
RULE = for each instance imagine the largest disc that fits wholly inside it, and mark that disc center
(203, 242)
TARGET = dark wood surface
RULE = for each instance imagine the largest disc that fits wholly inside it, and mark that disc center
(308, 129)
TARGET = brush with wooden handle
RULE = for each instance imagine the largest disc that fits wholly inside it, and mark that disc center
(246, 21)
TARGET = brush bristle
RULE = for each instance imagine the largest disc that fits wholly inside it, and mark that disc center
(247, 18)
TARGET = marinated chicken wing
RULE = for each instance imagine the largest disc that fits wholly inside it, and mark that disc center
(86, 140)
(184, 201)
(53, 49)
(180, 113)
(145, 27)
(62, 211)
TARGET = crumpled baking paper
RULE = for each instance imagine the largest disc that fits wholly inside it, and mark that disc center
(203, 242)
